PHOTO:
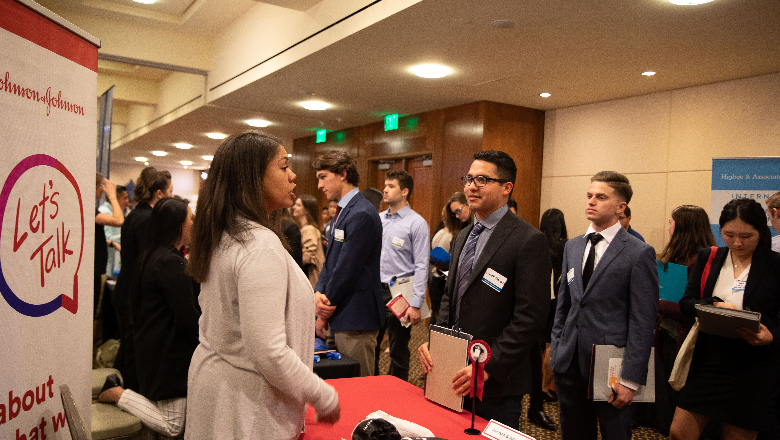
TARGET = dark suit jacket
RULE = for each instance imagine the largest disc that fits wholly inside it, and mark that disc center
(618, 308)
(350, 276)
(511, 320)
(133, 234)
(166, 329)
(762, 294)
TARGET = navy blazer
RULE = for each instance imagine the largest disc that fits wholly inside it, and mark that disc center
(350, 276)
(618, 308)
(509, 320)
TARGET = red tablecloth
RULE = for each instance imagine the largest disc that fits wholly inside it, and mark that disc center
(360, 396)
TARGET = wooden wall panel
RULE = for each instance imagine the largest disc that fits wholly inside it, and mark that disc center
(450, 137)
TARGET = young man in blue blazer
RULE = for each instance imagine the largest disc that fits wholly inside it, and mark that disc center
(348, 294)
(608, 296)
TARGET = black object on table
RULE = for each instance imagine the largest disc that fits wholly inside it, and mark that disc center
(337, 369)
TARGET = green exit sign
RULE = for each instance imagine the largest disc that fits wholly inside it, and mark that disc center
(391, 122)
(321, 134)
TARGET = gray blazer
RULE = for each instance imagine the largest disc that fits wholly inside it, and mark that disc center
(510, 320)
(618, 308)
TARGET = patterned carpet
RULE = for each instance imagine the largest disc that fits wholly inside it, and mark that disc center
(419, 335)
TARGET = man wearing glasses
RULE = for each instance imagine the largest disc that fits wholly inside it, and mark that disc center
(498, 289)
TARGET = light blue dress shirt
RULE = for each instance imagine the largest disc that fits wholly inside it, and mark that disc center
(406, 250)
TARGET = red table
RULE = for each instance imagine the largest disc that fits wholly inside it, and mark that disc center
(360, 396)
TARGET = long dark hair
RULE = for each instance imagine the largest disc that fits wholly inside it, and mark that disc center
(165, 229)
(691, 232)
(454, 225)
(750, 212)
(149, 182)
(233, 191)
(553, 226)
(310, 208)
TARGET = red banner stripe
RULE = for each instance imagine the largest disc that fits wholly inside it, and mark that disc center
(28, 24)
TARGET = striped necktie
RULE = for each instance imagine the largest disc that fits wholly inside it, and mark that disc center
(466, 264)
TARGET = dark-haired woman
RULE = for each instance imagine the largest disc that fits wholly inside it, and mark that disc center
(151, 186)
(165, 323)
(251, 376)
(731, 379)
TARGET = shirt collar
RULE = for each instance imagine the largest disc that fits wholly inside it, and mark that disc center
(403, 212)
(608, 233)
(345, 200)
(494, 217)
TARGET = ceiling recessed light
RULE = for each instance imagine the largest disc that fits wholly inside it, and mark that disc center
(545, 95)
(258, 123)
(185, 162)
(141, 159)
(648, 73)
(145, 2)
(146, 163)
(430, 70)
(159, 153)
(503, 24)
(208, 157)
(689, 2)
(216, 135)
(183, 146)
(315, 105)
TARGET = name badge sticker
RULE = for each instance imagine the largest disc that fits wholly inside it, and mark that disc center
(338, 235)
(494, 279)
(739, 285)
(497, 431)
(570, 276)
(398, 242)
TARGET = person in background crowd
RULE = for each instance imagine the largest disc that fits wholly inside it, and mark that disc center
(374, 196)
(504, 247)
(773, 209)
(625, 220)
(304, 212)
(405, 253)
(460, 212)
(617, 306)
(349, 293)
(512, 204)
(251, 375)
(731, 380)
(325, 218)
(165, 323)
(327, 227)
(689, 231)
(151, 186)
(114, 233)
(438, 279)
(292, 234)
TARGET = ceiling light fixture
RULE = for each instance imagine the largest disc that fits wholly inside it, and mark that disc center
(216, 135)
(430, 70)
(146, 163)
(648, 73)
(258, 123)
(208, 157)
(145, 2)
(545, 95)
(185, 162)
(503, 24)
(182, 146)
(315, 105)
(159, 153)
(689, 2)
(141, 159)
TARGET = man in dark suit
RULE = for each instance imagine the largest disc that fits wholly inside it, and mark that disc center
(608, 296)
(498, 289)
(348, 293)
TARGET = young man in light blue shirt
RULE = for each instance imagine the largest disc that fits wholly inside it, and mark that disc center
(406, 247)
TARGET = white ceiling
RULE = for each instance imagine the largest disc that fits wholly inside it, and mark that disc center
(581, 51)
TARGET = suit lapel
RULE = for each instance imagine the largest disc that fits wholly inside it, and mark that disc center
(340, 219)
(577, 254)
(459, 243)
(757, 267)
(499, 235)
(613, 250)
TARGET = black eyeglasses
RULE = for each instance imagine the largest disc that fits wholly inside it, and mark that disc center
(480, 181)
(457, 211)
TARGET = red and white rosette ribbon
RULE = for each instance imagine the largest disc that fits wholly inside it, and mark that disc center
(479, 353)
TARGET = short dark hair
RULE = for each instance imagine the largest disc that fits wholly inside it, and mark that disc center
(505, 165)
(120, 189)
(750, 212)
(336, 162)
(627, 212)
(405, 180)
(616, 181)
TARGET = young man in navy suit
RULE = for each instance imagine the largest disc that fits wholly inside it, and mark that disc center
(498, 289)
(609, 296)
(348, 294)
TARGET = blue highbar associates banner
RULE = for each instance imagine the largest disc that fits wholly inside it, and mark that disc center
(734, 177)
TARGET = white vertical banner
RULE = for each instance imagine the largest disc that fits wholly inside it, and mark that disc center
(737, 177)
(48, 80)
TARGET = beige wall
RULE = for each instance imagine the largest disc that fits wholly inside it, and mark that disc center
(663, 142)
(186, 183)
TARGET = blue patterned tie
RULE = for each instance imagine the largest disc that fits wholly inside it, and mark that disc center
(466, 264)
